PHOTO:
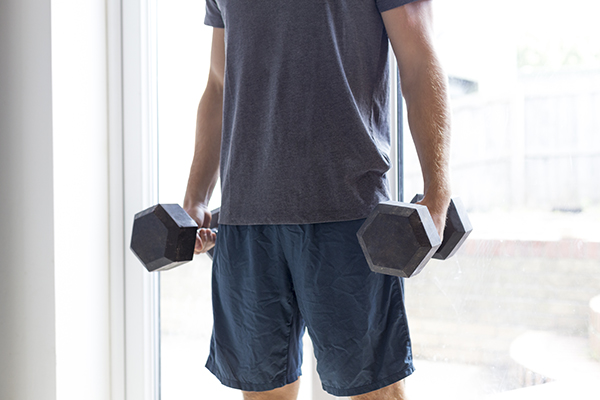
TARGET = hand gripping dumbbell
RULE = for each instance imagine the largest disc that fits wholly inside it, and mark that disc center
(164, 236)
(400, 238)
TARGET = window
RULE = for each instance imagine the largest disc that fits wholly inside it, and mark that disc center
(186, 313)
(515, 301)
(514, 304)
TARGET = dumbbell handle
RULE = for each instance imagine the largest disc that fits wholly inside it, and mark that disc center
(214, 226)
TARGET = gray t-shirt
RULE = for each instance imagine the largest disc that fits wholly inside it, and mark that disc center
(306, 131)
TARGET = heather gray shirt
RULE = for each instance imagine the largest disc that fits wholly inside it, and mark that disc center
(306, 131)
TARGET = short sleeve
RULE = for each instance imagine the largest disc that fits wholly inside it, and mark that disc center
(213, 16)
(385, 5)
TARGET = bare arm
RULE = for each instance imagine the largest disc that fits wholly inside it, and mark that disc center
(204, 171)
(424, 86)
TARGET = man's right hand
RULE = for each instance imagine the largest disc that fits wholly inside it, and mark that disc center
(205, 238)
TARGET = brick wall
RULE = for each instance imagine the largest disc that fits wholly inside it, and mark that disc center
(470, 308)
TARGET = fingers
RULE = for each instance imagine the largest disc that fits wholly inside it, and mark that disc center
(438, 215)
(439, 220)
(440, 223)
(205, 240)
(200, 214)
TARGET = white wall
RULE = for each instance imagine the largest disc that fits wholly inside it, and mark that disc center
(27, 301)
(55, 297)
(81, 199)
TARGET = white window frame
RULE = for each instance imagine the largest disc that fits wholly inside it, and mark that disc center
(134, 331)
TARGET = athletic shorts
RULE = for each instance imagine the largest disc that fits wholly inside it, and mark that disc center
(270, 282)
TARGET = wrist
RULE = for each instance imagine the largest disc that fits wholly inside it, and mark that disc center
(194, 203)
(437, 195)
(439, 187)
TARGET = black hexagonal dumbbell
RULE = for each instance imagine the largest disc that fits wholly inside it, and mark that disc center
(164, 236)
(400, 238)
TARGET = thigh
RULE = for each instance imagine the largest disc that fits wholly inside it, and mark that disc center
(395, 391)
(257, 327)
(288, 392)
(355, 317)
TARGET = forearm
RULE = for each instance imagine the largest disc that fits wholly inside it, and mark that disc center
(429, 117)
(424, 86)
(204, 171)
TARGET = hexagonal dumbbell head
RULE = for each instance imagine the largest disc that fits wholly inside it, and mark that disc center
(163, 237)
(398, 238)
(458, 227)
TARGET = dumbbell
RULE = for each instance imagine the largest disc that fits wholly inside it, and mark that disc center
(400, 238)
(164, 236)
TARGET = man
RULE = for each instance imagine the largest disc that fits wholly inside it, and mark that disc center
(295, 120)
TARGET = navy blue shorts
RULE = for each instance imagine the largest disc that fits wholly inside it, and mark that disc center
(270, 282)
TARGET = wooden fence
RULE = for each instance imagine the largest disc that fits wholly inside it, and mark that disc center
(538, 146)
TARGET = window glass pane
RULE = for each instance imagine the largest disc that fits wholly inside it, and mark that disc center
(186, 316)
(513, 305)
